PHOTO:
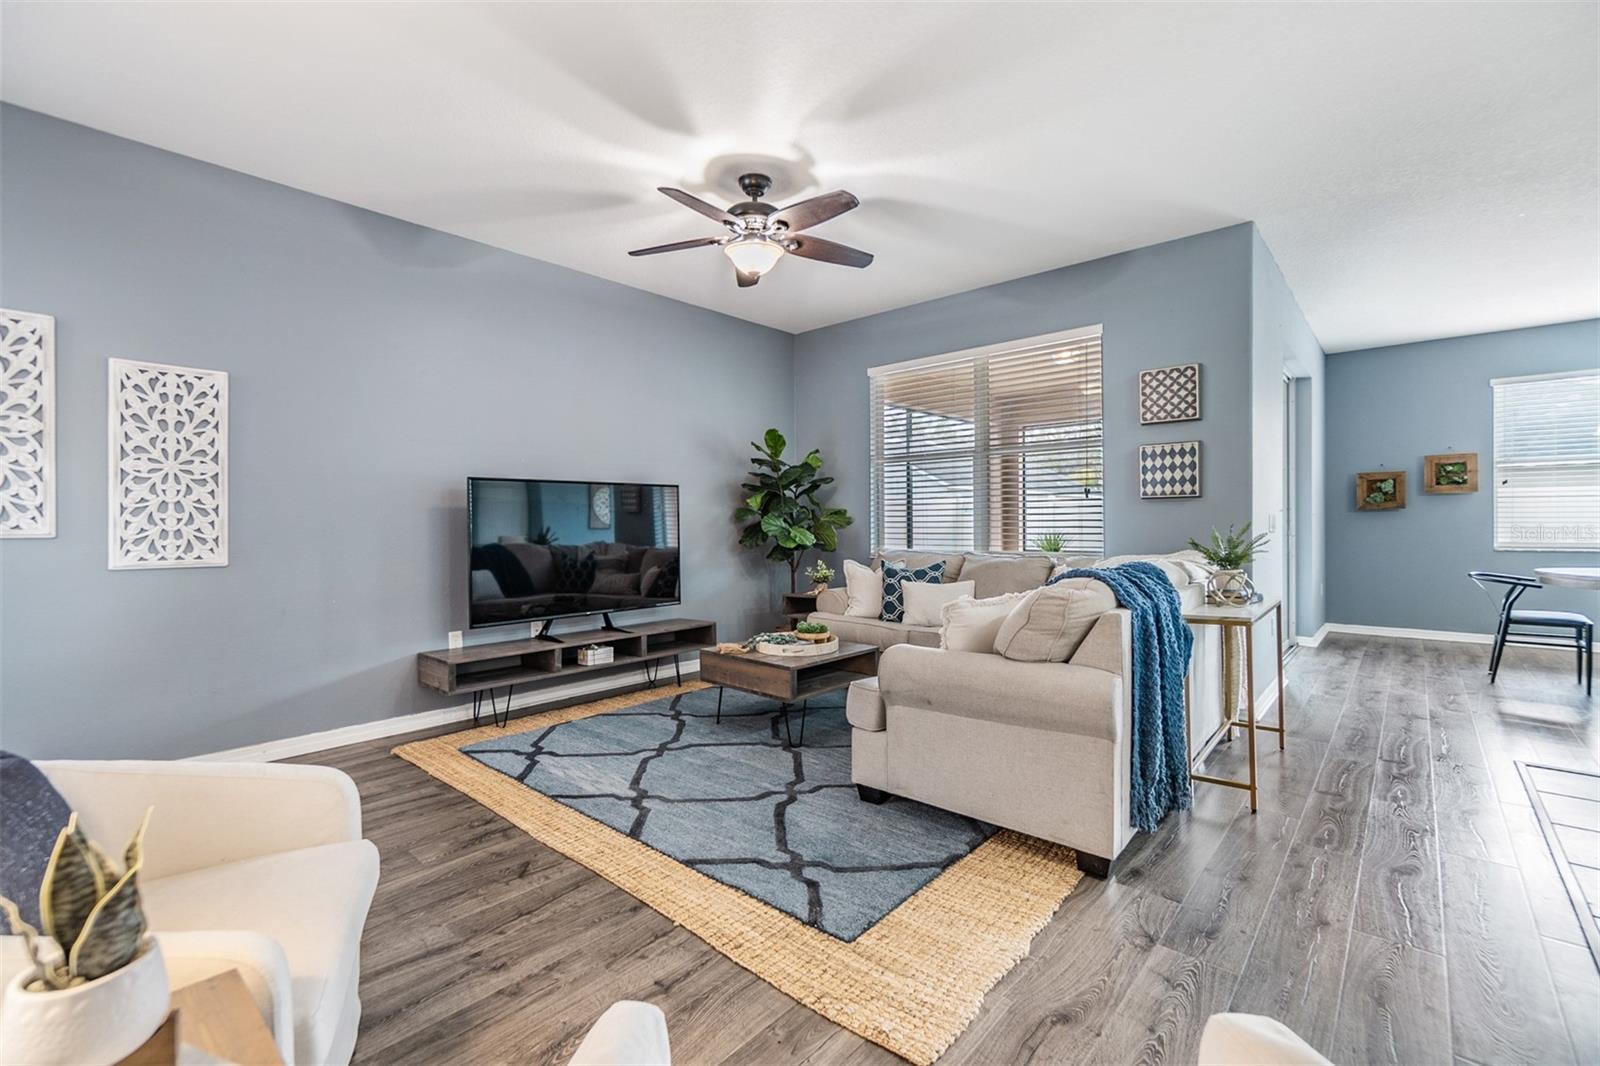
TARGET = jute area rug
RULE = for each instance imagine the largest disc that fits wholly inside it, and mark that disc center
(910, 983)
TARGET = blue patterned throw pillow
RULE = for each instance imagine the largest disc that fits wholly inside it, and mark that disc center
(894, 575)
(35, 816)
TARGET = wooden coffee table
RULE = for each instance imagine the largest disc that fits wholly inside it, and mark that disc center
(789, 679)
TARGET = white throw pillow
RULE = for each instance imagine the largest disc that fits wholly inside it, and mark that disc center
(972, 625)
(864, 587)
(1048, 624)
(925, 599)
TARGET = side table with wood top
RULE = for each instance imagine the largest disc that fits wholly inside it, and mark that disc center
(797, 606)
(218, 1016)
(1245, 619)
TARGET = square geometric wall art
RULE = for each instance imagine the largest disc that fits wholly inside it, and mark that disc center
(1169, 394)
(27, 424)
(1169, 471)
(168, 437)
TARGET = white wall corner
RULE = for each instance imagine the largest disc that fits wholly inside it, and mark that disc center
(1314, 639)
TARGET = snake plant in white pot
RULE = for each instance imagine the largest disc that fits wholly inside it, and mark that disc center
(98, 987)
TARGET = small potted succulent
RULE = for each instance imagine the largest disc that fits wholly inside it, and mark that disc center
(98, 987)
(819, 575)
(815, 632)
(1230, 553)
(1052, 544)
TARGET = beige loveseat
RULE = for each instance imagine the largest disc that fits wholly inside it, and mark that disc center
(1039, 747)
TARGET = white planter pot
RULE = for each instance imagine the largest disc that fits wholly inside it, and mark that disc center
(94, 1024)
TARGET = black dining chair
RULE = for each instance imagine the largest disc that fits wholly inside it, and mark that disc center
(1581, 626)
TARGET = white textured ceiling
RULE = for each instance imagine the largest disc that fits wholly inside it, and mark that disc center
(1419, 170)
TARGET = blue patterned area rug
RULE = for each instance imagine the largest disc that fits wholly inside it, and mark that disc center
(735, 801)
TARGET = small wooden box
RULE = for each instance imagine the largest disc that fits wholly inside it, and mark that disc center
(596, 656)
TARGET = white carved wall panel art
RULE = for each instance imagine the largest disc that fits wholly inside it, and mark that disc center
(169, 466)
(27, 424)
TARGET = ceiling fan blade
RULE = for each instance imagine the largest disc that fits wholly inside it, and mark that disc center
(808, 213)
(677, 246)
(828, 252)
(745, 280)
(694, 203)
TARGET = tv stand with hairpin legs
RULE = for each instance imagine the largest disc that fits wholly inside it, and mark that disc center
(546, 660)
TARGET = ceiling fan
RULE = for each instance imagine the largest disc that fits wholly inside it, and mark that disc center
(761, 234)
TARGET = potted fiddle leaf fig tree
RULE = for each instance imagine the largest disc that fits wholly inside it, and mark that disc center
(781, 511)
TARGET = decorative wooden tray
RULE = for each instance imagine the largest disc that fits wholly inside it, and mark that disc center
(827, 647)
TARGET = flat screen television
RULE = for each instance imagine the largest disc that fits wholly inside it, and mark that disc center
(543, 549)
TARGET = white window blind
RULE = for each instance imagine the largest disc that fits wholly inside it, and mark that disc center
(664, 515)
(992, 449)
(1547, 462)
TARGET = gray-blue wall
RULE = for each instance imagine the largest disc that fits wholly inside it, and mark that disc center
(374, 365)
(1387, 408)
(1180, 302)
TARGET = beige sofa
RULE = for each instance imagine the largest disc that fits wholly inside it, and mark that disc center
(1042, 748)
(991, 575)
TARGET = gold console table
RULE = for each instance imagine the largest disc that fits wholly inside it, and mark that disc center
(1231, 619)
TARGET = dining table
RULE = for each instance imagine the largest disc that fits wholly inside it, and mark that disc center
(1575, 577)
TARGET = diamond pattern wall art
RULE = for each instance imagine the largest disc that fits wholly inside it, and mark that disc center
(27, 424)
(1169, 471)
(169, 466)
(1169, 394)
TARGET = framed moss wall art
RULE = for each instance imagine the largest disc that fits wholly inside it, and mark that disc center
(1452, 472)
(1381, 490)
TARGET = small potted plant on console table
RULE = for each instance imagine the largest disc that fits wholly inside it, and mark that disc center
(1230, 553)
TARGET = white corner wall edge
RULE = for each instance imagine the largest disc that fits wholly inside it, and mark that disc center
(308, 743)
(1391, 631)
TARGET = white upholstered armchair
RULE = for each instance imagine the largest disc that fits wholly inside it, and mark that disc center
(251, 866)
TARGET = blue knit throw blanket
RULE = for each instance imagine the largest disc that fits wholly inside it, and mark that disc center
(1162, 642)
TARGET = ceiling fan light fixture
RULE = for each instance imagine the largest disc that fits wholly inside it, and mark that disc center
(754, 254)
(760, 234)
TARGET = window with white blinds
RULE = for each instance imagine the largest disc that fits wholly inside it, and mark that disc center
(1547, 462)
(664, 515)
(992, 449)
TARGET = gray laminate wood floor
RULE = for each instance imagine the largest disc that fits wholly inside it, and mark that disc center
(1392, 901)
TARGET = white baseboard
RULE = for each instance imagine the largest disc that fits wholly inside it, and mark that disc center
(1395, 631)
(1314, 639)
(308, 743)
